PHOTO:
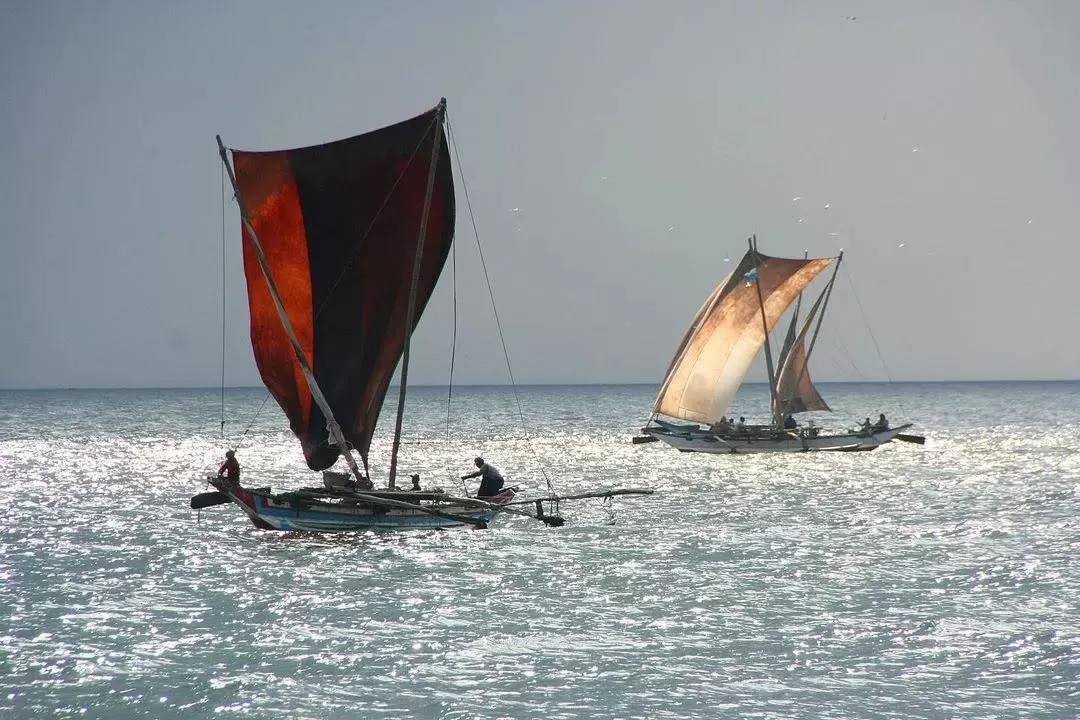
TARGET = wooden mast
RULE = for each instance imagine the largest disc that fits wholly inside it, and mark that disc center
(410, 312)
(825, 304)
(765, 327)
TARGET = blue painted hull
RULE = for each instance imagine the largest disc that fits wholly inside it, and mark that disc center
(283, 512)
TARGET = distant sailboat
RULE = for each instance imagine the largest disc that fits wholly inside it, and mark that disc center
(722, 342)
(343, 245)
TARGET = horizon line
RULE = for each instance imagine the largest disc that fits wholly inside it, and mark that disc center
(53, 388)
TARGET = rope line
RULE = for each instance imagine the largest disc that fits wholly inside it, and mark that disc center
(453, 355)
(870, 331)
(495, 311)
(240, 438)
(866, 322)
(223, 280)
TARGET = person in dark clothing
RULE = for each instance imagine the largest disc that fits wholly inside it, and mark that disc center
(230, 469)
(881, 424)
(491, 480)
(790, 423)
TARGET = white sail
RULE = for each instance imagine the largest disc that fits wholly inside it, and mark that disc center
(728, 332)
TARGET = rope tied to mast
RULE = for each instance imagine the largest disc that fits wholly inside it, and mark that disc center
(495, 311)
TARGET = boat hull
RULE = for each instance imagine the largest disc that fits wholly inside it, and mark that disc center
(689, 438)
(288, 512)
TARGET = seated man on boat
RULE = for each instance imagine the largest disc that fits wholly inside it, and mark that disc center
(790, 423)
(740, 427)
(491, 481)
(721, 428)
(415, 482)
(866, 427)
(881, 424)
(230, 469)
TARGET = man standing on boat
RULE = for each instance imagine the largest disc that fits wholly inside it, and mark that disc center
(491, 479)
(230, 469)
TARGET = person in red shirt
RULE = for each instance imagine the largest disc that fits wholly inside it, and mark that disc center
(230, 469)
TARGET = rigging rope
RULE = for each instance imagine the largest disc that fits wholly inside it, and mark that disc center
(866, 322)
(240, 438)
(495, 311)
(870, 331)
(223, 279)
(453, 355)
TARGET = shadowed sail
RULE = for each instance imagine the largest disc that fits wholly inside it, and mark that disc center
(340, 226)
(728, 332)
(795, 391)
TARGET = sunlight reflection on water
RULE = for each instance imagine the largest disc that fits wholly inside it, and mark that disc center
(914, 581)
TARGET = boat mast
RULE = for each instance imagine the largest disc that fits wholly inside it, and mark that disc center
(824, 304)
(410, 311)
(765, 327)
(331, 423)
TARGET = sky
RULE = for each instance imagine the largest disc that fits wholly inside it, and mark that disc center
(616, 154)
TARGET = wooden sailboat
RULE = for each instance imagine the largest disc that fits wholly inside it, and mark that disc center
(730, 329)
(343, 244)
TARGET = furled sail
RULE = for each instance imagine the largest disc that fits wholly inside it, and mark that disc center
(340, 225)
(728, 332)
(795, 391)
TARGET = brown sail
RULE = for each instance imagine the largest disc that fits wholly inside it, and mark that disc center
(340, 225)
(795, 391)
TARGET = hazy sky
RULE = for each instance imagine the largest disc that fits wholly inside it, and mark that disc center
(617, 155)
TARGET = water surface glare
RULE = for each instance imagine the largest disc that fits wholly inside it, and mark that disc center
(935, 581)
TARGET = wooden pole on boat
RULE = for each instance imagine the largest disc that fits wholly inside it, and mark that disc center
(765, 328)
(301, 358)
(410, 311)
(547, 519)
(581, 496)
(825, 304)
(387, 502)
(595, 494)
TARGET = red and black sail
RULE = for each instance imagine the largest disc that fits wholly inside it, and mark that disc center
(340, 224)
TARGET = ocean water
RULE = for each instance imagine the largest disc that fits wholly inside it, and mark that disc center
(935, 581)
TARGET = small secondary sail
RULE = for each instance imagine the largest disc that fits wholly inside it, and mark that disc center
(340, 224)
(728, 332)
(795, 391)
